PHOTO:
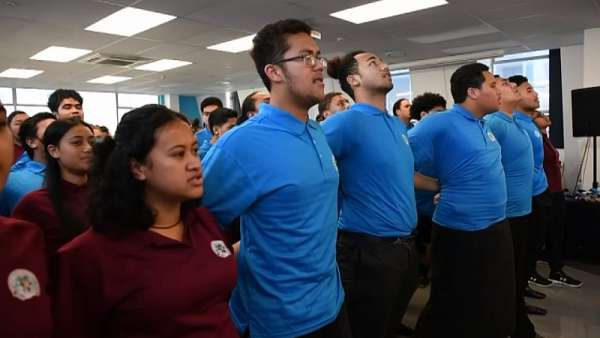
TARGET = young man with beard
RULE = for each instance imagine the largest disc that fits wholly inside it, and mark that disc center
(376, 249)
(289, 283)
(473, 283)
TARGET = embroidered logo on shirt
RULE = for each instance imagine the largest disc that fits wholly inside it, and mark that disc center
(220, 249)
(491, 136)
(23, 284)
(405, 139)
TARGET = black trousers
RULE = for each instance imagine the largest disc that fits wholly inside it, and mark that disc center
(379, 276)
(472, 284)
(555, 232)
(339, 328)
(539, 217)
(519, 227)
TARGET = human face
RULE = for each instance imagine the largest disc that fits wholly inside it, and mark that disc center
(15, 125)
(219, 131)
(507, 91)
(304, 83)
(70, 107)
(487, 97)
(403, 112)
(373, 74)
(541, 120)
(529, 97)
(6, 149)
(172, 168)
(260, 97)
(338, 103)
(206, 112)
(74, 151)
(36, 143)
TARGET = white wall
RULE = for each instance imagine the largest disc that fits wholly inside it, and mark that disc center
(434, 80)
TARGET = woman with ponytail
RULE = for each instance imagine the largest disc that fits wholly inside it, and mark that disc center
(59, 208)
(152, 264)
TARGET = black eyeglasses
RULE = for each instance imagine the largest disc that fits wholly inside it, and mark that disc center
(309, 60)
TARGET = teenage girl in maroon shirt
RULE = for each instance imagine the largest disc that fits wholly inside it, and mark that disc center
(153, 265)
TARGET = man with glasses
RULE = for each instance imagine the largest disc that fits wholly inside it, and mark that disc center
(376, 249)
(277, 173)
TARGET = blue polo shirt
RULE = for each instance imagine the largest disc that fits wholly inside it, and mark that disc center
(465, 157)
(423, 198)
(24, 177)
(278, 174)
(203, 135)
(540, 182)
(517, 160)
(204, 148)
(376, 171)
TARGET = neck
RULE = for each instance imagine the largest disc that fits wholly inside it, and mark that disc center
(167, 212)
(213, 139)
(508, 108)
(40, 157)
(528, 112)
(374, 99)
(17, 142)
(282, 99)
(73, 178)
(473, 108)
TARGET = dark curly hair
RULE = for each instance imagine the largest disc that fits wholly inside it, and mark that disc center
(424, 103)
(340, 67)
(117, 206)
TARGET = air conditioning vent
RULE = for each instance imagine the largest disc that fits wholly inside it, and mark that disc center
(115, 60)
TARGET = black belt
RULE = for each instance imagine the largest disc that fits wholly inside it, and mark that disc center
(363, 236)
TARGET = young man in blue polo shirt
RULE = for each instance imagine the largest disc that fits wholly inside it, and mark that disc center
(376, 250)
(207, 106)
(29, 172)
(473, 283)
(278, 174)
(517, 160)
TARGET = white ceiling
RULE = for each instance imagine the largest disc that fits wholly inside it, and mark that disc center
(28, 26)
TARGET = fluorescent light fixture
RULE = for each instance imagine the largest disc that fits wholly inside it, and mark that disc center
(129, 21)
(109, 79)
(234, 46)
(60, 54)
(384, 9)
(20, 73)
(162, 65)
(454, 35)
(482, 47)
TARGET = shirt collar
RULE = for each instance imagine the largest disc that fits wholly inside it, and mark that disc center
(368, 109)
(285, 120)
(505, 117)
(522, 116)
(36, 167)
(464, 112)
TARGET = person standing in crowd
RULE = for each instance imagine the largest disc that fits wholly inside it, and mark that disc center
(422, 106)
(207, 106)
(376, 250)
(472, 254)
(28, 173)
(220, 121)
(15, 120)
(153, 264)
(401, 110)
(66, 103)
(60, 208)
(24, 301)
(517, 160)
(555, 233)
(250, 106)
(289, 283)
(333, 103)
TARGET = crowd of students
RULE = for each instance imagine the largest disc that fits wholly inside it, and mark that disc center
(270, 224)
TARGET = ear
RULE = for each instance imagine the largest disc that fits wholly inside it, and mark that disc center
(353, 80)
(137, 170)
(473, 93)
(53, 151)
(423, 114)
(30, 141)
(274, 73)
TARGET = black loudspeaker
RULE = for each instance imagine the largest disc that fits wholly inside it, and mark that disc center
(586, 111)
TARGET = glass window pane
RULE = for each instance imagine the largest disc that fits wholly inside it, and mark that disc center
(32, 110)
(523, 55)
(122, 111)
(100, 109)
(136, 100)
(6, 96)
(33, 96)
(402, 89)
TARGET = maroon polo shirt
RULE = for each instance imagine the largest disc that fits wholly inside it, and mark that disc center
(37, 208)
(552, 165)
(147, 285)
(17, 152)
(24, 303)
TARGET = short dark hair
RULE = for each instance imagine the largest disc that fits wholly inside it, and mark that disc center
(465, 77)
(210, 101)
(29, 129)
(116, 204)
(324, 104)
(270, 43)
(59, 95)
(518, 79)
(104, 129)
(249, 103)
(424, 103)
(220, 116)
(340, 67)
(2, 109)
(13, 115)
(397, 104)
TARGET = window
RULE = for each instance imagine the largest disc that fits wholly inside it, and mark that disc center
(6, 96)
(402, 88)
(128, 102)
(533, 65)
(36, 97)
(100, 108)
